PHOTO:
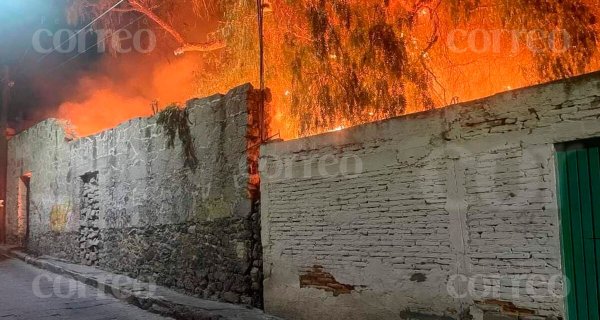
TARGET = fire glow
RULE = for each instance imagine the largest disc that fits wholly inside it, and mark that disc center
(448, 55)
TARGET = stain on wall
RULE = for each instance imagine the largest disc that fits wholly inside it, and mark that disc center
(59, 216)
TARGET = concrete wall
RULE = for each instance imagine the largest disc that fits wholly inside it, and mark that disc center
(124, 201)
(386, 220)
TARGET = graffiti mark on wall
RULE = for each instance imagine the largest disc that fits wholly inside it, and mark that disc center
(59, 216)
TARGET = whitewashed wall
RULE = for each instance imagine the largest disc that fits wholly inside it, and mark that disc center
(386, 220)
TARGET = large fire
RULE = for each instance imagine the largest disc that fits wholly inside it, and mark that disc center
(339, 63)
(100, 102)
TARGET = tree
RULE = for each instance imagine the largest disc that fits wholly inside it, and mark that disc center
(336, 63)
(90, 9)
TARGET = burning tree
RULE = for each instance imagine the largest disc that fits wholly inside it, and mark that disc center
(91, 9)
(335, 63)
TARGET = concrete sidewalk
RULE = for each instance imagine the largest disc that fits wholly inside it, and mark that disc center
(147, 296)
(30, 293)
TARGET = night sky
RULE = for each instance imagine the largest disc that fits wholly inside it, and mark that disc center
(41, 80)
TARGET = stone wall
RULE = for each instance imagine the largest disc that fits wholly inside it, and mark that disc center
(431, 215)
(123, 200)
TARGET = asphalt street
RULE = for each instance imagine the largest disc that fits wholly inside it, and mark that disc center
(30, 293)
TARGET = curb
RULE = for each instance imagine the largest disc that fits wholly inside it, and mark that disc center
(167, 303)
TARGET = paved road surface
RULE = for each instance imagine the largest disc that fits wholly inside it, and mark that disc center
(29, 293)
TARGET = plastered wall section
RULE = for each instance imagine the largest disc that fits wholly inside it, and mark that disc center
(426, 214)
(151, 215)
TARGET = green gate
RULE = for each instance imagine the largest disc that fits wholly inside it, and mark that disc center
(578, 169)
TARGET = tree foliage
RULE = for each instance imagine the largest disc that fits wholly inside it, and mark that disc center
(112, 13)
(359, 62)
(337, 63)
(576, 18)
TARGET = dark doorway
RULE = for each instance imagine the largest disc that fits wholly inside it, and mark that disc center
(24, 208)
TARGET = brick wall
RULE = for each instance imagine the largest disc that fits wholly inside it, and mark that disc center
(428, 214)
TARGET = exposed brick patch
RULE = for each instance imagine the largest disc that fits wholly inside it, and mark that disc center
(317, 278)
(507, 307)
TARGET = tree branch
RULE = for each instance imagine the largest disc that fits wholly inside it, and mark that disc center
(201, 47)
(185, 46)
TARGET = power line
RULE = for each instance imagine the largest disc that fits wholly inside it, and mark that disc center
(97, 42)
(80, 30)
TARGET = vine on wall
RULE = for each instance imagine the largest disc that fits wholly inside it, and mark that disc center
(175, 121)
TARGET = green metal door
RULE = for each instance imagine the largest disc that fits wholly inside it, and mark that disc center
(578, 168)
